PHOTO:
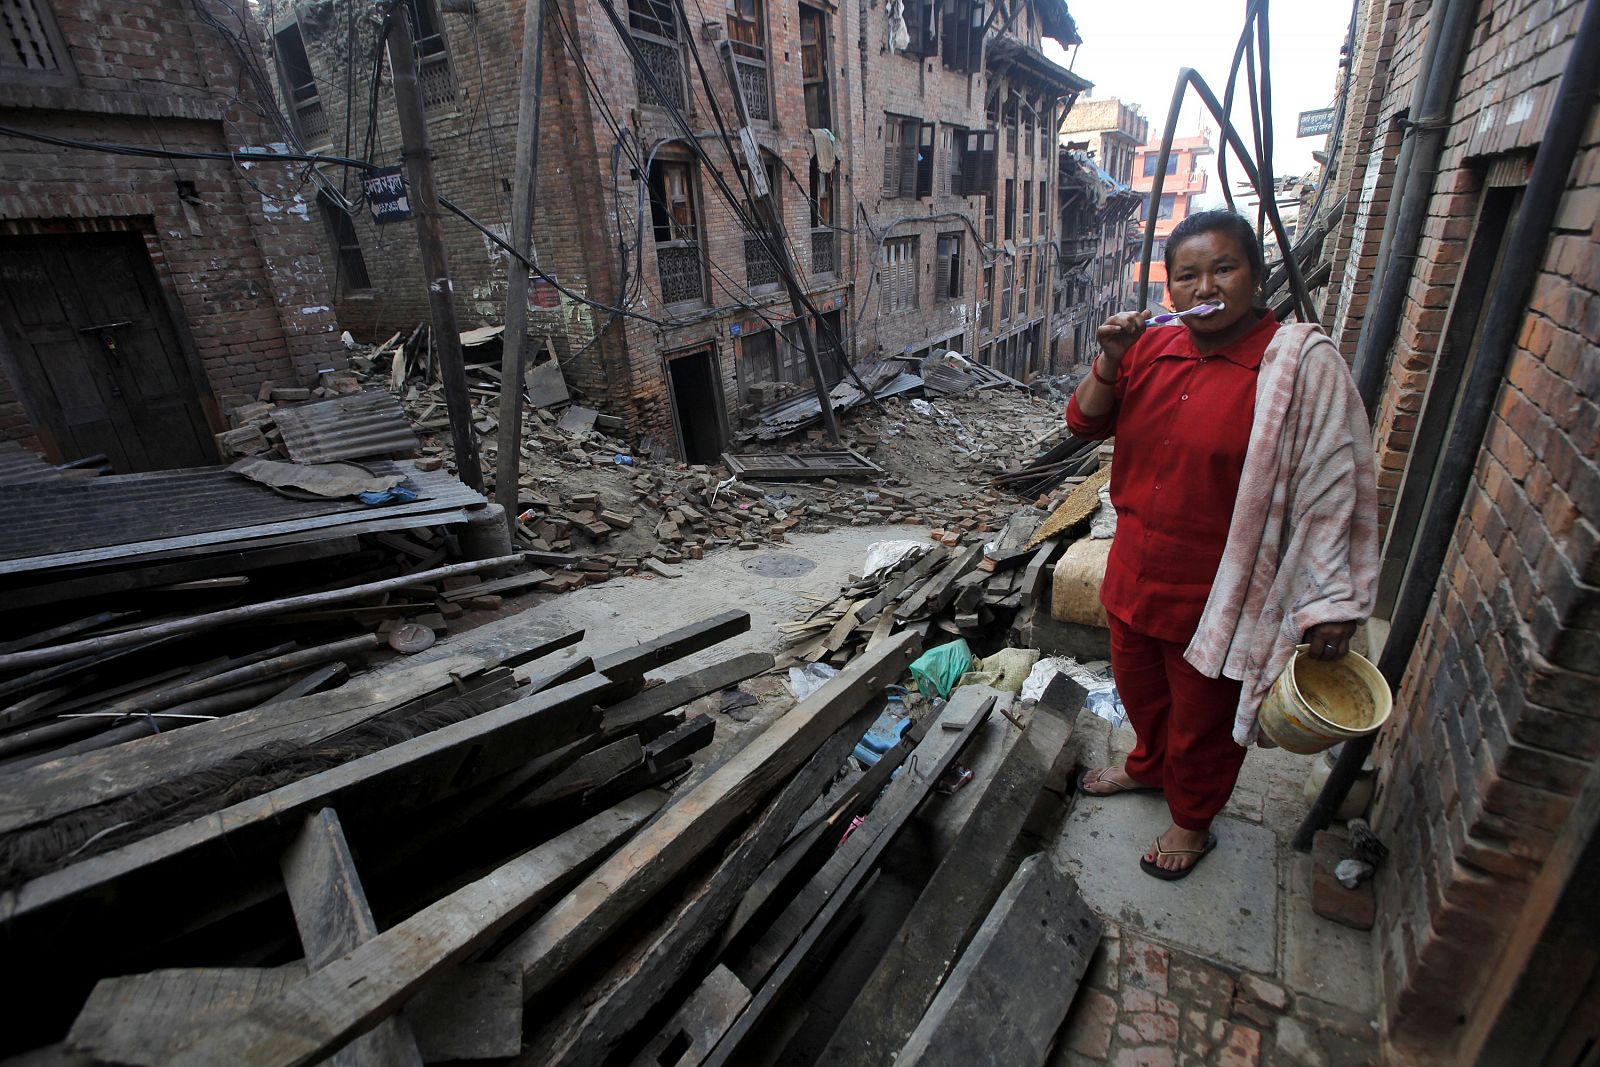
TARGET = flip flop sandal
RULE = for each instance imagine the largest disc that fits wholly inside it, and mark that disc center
(1172, 876)
(1116, 789)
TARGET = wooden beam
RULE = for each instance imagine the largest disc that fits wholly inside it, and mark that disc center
(190, 624)
(1006, 998)
(616, 1004)
(93, 897)
(954, 901)
(698, 819)
(939, 590)
(60, 786)
(631, 664)
(333, 917)
(893, 812)
(146, 1019)
(624, 715)
(315, 1016)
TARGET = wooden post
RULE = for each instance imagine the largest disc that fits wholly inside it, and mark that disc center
(772, 222)
(424, 199)
(508, 459)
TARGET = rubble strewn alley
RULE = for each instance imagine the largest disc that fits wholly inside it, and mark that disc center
(655, 532)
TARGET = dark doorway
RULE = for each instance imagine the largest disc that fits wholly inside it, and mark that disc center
(697, 405)
(95, 354)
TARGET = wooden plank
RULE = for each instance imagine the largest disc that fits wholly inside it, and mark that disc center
(843, 628)
(622, 716)
(316, 1015)
(507, 584)
(1037, 576)
(896, 589)
(586, 772)
(211, 620)
(146, 1019)
(620, 1001)
(230, 844)
(938, 590)
(631, 664)
(60, 786)
(333, 917)
(696, 820)
(708, 1013)
(683, 740)
(129, 578)
(892, 814)
(1007, 996)
(953, 903)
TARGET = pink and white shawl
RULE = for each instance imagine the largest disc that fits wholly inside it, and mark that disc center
(1302, 545)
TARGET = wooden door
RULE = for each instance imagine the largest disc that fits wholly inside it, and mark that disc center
(95, 353)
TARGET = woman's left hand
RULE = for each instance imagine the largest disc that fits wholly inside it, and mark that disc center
(1329, 640)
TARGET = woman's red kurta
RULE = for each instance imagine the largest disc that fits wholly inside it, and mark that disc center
(1182, 423)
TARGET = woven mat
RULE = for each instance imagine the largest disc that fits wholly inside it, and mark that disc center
(1079, 505)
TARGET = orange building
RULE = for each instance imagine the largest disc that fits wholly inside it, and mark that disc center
(1183, 181)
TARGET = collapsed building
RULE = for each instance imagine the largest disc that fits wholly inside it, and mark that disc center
(910, 156)
(1097, 202)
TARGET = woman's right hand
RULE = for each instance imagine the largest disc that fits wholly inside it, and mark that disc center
(1117, 334)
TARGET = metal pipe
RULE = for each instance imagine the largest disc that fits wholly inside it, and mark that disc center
(1525, 251)
(1438, 94)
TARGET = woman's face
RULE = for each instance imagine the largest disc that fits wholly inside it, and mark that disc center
(1211, 268)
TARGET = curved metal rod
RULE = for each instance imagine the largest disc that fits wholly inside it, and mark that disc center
(1187, 78)
(1227, 94)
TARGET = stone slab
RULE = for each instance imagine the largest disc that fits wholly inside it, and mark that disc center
(1321, 958)
(1227, 910)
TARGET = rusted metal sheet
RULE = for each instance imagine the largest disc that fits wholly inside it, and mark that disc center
(777, 466)
(370, 423)
(93, 520)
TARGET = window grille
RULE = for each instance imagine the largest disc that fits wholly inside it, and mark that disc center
(31, 48)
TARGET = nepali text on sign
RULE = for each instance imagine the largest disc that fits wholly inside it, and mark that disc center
(386, 195)
(1315, 123)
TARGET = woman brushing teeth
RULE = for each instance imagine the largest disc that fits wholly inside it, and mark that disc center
(1182, 402)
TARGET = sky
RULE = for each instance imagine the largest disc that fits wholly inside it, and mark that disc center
(1133, 49)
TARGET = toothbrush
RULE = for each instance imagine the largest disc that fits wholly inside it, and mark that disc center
(1174, 316)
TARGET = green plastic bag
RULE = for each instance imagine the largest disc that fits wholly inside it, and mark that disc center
(937, 670)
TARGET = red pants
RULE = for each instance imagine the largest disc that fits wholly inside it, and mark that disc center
(1184, 722)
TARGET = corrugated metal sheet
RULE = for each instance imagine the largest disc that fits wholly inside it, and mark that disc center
(52, 524)
(370, 423)
(19, 464)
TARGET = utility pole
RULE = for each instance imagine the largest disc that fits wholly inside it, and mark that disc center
(508, 462)
(418, 157)
(767, 215)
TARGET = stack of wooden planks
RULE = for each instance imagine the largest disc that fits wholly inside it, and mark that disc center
(511, 857)
(973, 590)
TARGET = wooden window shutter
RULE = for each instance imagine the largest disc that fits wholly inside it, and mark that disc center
(891, 158)
(925, 161)
(990, 170)
(941, 271)
(907, 170)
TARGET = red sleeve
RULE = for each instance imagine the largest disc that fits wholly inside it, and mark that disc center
(1087, 429)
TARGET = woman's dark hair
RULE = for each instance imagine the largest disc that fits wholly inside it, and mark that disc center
(1219, 220)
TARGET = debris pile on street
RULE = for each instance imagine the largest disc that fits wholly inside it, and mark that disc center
(483, 856)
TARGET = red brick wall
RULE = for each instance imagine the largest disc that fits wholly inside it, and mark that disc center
(244, 268)
(1495, 729)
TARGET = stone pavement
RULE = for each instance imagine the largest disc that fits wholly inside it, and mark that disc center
(1227, 967)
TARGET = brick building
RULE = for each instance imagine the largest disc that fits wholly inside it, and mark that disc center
(1490, 768)
(141, 296)
(887, 164)
(1097, 203)
(1184, 181)
(960, 153)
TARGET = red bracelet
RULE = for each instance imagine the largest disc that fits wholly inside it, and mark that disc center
(1094, 369)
